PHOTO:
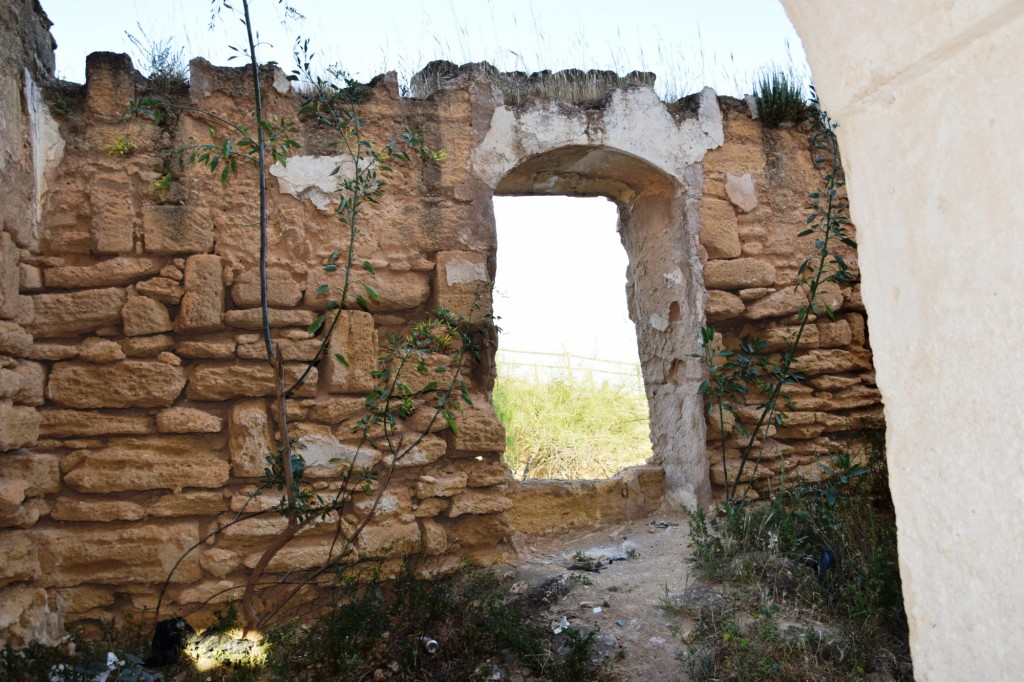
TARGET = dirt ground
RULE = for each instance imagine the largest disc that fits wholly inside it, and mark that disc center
(623, 597)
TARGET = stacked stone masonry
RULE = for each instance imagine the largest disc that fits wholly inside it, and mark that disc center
(135, 398)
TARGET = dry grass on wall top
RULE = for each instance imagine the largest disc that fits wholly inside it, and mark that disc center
(570, 428)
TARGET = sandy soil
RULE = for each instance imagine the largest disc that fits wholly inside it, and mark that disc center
(623, 598)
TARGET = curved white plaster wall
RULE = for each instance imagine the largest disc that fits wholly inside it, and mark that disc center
(929, 97)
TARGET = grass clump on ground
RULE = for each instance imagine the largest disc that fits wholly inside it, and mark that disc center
(571, 429)
(461, 626)
(810, 579)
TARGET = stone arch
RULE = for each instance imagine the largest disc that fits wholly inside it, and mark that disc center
(647, 164)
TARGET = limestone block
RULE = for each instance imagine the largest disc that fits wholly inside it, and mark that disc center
(252, 318)
(187, 420)
(188, 504)
(435, 537)
(829, 294)
(355, 339)
(397, 289)
(723, 306)
(109, 77)
(144, 464)
(146, 346)
(249, 440)
(82, 599)
(214, 349)
(718, 231)
(32, 380)
(460, 279)
(10, 383)
(176, 229)
(26, 616)
(10, 277)
(113, 216)
(162, 289)
(832, 382)
(202, 305)
(834, 334)
(219, 562)
(473, 530)
(14, 340)
(479, 501)
(224, 382)
(748, 295)
(431, 507)
(132, 383)
(53, 351)
(118, 554)
(142, 316)
(441, 484)
(480, 430)
(429, 450)
(782, 303)
(740, 190)
(780, 338)
(113, 272)
(76, 313)
(336, 410)
(817, 362)
(20, 557)
(390, 537)
(67, 509)
(12, 494)
(486, 474)
(738, 273)
(65, 423)
(19, 426)
(318, 447)
(282, 289)
(100, 351)
(40, 473)
(291, 350)
(750, 472)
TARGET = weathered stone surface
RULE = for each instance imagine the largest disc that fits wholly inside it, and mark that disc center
(224, 382)
(718, 231)
(480, 430)
(118, 554)
(441, 484)
(26, 616)
(40, 473)
(435, 537)
(188, 504)
(132, 383)
(741, 192)
(431, 507)
(147, 346)
(336, 410)
(817, 362)
(396, 290)
(214, 349)
(14, 340)
(82, 599)
(187, 420)
(252, 318)
(282, 289)
(782, 303)
(250, 442)
(30, 378)
(486, 474)
(12, 494)
(219, 562)
(429, 450)
(393, 538)
(479, 501)
(114, 272)
(723, 306)
(162, 289)
(52, 351)
(176, 229)
(738, 273)
(77, 312)
(145, 464)
(66, 509)
(319, 447)
(19, 426)
(834, 334)
(100, 351)
(355, 339)
(142, 316)
(64, 423)
(291, 350)
(474, 530)
(460, 281)
(202, 305)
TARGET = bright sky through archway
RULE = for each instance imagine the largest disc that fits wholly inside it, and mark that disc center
(565, 305)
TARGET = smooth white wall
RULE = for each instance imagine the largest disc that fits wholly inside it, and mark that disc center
(929, 95)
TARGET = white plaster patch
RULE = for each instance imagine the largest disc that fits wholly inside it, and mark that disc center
(740, 190)
(319, 449)
(310, 177)
(676, 276)
(463, 271)
(281, 82)
(659, 322)
(47, 144)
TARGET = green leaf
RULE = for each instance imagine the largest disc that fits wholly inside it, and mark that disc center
(450, 420)
(368, 266)
(362, 302)
(341, 358)
(465, 395)
(330, 267)
(372, 293)
(322, 289)
(315, 326)
(429, 387)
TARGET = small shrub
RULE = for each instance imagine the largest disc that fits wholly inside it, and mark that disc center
(122, 146)
(780, 98)
(165, 65)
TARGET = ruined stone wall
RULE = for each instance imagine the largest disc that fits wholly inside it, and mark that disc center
(146, 378)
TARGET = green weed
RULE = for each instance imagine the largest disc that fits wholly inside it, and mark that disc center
(780, 97)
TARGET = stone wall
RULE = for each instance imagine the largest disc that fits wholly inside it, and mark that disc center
(139, 405)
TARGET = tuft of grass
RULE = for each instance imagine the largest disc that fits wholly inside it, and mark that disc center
(165, 66)
(819, 553)
(780, 97)
(571, 429)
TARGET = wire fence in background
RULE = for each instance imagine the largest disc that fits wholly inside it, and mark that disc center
(541, 366)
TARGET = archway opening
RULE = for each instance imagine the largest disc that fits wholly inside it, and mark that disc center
(569, 390)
